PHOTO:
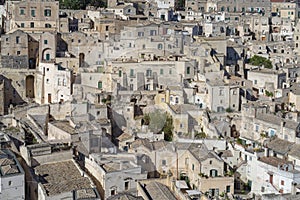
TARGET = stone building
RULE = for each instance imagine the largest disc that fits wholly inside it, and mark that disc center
(19, 50)
(222, 96)
(33, 16)
(116, 173)
(205, 169)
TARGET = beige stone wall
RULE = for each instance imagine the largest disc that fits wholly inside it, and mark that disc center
(217, 183)
(15, 43)
(28, 12)
(295, 99)
(54, 133)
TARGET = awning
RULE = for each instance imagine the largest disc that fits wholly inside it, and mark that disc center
(181, 185)
(193, 192)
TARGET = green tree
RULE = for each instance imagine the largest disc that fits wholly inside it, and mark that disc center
(259, 61)
(81, 4)
(70, 4)
(200, 135)
(269, 94)
(168, 128)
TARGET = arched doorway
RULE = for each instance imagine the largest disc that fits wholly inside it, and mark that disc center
(30, 86)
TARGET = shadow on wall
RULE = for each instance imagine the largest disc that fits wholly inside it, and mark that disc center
(10, 94)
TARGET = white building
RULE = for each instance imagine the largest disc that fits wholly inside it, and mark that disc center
(53, 84)
(12, 177)
(116, 172)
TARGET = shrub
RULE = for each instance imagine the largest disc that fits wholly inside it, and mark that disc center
(259, 61)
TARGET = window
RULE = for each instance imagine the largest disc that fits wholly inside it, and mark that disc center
(161, 71)
(47, 12)
(131, 72)
(272, 132)
(160, 46)
(193, 167)
(79, 41)
(221, 92)
(213, 173)
(255, 81)
(188, 70)
(64, 82)
(210, 162)
(152, 32)
(31, 24)
(282, 182)
(228, 188)
(47, 56)
(32, 13)
(120, 73)
(22, 25)
(126, 185)
(22, 11)
(112, 192)
(9, 182)
(17, 39)
(256, 128)
(140, 34)
(48, 25)
(106, 28)
(149, 72)
(45, 41)
(163, 162)
(99, 84)
(58, 82)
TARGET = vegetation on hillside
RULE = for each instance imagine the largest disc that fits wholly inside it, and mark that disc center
(81, 4)
(158, 122)
(260, 61)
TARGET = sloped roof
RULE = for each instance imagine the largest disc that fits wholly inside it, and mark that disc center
(280, 146)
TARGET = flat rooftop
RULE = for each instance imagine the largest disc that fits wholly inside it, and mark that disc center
(65, 126)
(117, 166)
(62, 177)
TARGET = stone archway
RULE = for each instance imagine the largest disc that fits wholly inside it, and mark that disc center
(30, 86)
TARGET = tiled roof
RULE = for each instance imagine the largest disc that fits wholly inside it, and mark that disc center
(274, 161)
(159, 191)
(6, 161)
(88, 193)
(280, 146)
(61, 177)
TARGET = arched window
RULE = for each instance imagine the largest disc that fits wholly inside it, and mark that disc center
(213, 173)
(47, 12)
(160, 46)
